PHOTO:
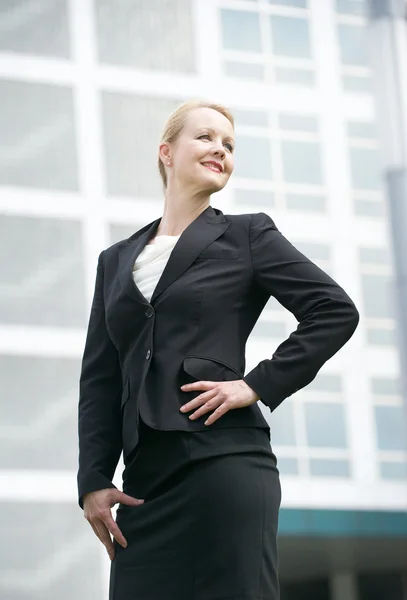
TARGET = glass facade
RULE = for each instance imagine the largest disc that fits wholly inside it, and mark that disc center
(85, 89)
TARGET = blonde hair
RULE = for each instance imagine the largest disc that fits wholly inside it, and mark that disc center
(176, 121)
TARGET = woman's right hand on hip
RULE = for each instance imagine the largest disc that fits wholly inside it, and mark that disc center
(96, 508)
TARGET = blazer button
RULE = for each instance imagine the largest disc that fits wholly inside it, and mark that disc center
(149, 312)
(148, 354)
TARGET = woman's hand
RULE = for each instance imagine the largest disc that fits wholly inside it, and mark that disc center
(219, 395)
(96, 508)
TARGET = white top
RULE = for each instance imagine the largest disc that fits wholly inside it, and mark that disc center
(151, 261)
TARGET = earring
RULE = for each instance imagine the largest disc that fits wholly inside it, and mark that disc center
(169, 164)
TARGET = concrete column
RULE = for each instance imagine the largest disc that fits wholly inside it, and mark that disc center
(343, 586)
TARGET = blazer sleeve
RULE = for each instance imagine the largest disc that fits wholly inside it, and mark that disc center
(100, 389)
(327, 316)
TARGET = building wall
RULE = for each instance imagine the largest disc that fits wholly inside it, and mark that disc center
(85, 88)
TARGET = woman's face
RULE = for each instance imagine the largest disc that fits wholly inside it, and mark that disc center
(202, 156)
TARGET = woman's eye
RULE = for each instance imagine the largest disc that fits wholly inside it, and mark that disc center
(205, 135)
(229, 147)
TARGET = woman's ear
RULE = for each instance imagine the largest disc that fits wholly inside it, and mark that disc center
(165, 154)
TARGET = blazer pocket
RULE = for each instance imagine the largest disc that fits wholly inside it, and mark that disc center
(219, 253)
(125, 393)
(209, 369)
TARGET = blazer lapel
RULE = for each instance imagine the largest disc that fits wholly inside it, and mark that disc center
(204, 230)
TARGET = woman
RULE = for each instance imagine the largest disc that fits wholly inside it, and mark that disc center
(163, 380)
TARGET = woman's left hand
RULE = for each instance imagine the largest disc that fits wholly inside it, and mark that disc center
(219, 395)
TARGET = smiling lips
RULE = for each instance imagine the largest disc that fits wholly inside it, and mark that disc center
(213, 166)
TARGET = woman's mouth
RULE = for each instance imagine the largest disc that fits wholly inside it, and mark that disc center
(212, 167)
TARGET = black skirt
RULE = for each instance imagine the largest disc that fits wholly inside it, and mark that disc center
(207, 529)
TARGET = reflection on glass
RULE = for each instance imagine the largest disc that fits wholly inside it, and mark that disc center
(325, 425)
(391, 428)
(292, 122)
(353, 45)
(305, 202)
(378, 296)
(155, 35)
(242, 70)
(38, 138)
(122, 232)
(393, 470)
(253, 157)
(241, 30)
(352, 7)
(294, 3)
(287, 466)
(254, 198)
(39, 420)
(54, 556)
(43, 285)
(41, 30)
(301, 162)
(365, 168)
(132, 128)
(253, 118)
(290, 37)
(329, 468)
(282, 425)
(295, 77)
(352, 83)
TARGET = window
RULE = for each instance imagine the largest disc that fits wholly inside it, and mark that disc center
(305, 202)
(314, 251)
(362, 129)
(391, 428)
(352, 7)
(241, 30)
(269, 329)
(147, 35)
(365, 168)
(393, 470)
(294, 3)
(295, 122)
(329, 468)
(378, 296)
(42, 287)
(44, 31)
(290, 37)
(369, 208)
(325, 425)
(374, 256)
(38, 139)
(385, 386)
(301, 162)
(122, 232)
(40, 414)
(326, 383)
(353, 45)
(282, 425)
(132, 128)
(254, 198)
(297, 77)
(287, 466)
(245, 164)
(46, 527)
(253, 118)
(241, 70)
(357, 84)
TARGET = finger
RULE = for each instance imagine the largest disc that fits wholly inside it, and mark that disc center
(199, 385)
(199, 400)
(128, 500)
(210, 405)
(94, 529)
(115, 531)
(103, 534)
(221, 410)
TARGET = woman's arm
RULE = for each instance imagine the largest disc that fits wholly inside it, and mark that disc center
(100, 389)
(327, 316)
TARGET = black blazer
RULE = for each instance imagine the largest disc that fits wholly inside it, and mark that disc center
(219, 276)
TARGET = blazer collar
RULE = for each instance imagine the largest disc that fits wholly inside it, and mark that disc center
(199, 234)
